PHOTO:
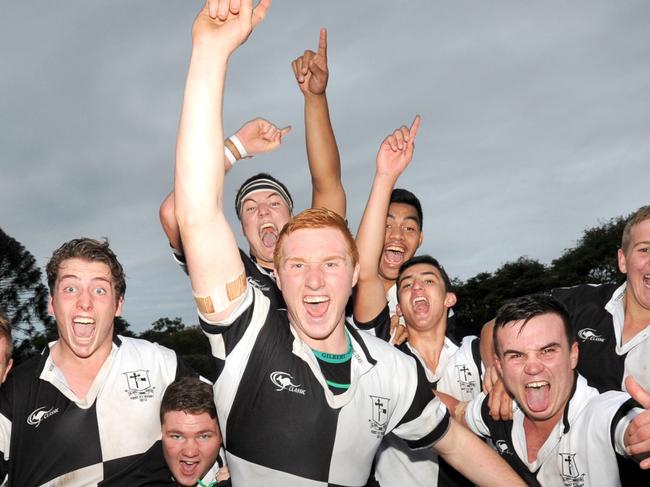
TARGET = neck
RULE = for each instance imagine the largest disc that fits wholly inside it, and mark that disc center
(79, 372)
(336, 343)
(268, 265)
(388, 283)
(428, 343)
(636, 316)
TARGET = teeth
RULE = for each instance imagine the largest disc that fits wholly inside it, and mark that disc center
(537, 385)
(83, 320)
(395, 249)
(419, 298)
(266, 225)
(315, 299)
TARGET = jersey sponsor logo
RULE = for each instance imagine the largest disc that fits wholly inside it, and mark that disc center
(262, 287)
(284, 382)
(503, 448)
(590, 335)
(38, 415)
(378, 415)
(465, 380)
(139, 386)
(571, 476)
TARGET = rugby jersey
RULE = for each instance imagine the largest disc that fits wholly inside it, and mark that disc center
(48, 436)
(598, 315)
(583, 447)
(284, 426)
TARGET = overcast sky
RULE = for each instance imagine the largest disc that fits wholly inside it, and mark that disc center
(535, 121)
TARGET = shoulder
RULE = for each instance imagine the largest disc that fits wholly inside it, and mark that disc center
(585, 293)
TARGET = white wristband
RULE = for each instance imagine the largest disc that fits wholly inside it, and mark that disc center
(229, 155)
(240, 147)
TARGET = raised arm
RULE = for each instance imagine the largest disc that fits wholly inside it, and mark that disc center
(312, 74)
(211, 252)
(256, 136)
(395, 153)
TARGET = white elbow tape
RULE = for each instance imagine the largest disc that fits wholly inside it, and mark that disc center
(222, 296)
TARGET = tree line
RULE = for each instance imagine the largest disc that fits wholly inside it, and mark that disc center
(23, 296)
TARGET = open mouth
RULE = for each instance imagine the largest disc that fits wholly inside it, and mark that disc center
(269, 235)
(189, 467)
(394, 255)
(83, 326)
(420, 304)
(646, 280)
(538, 395)
(316, 306)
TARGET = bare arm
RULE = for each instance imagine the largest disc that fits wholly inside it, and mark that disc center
(210, 248)
(257, 136)
(474, 459)
(395, 153)
(312, 75)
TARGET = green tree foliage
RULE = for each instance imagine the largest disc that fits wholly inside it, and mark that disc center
(23, 297)
(593, 260)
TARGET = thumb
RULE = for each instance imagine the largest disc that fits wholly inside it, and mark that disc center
(638, 393)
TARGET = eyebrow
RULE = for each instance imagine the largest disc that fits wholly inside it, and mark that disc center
(413, 276)
(324, 259)
(74, 276)
(552, 344)
(250, 198)
(408, 217)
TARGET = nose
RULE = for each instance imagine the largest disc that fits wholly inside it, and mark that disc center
(314, 277)
(533, 365)
(417, 284)
(395, 232)
(263, 209)
(84, 300)
(190, 447)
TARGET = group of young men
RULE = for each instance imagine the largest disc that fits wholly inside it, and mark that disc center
(304, 396)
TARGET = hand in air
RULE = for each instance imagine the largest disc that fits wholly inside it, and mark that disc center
(310, 69)
(259, 136)
(396, 151)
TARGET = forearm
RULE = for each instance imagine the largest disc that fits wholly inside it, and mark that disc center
(474, 459)
(370, 297)
(323, 156)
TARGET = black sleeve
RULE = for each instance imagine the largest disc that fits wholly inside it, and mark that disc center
(380, 323)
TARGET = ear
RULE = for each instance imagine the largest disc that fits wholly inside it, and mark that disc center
(574, 354)
(10, 364)
(277, 279)
(398, 310)
(118, 310)
(355, 274)
(622, 265)
(50, 308)
(450, 300)
(497, 364)
(421, 240)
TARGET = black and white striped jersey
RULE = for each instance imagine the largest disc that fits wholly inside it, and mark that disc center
(48, 436)
(582, 449)
(281, 423)
(598, 315)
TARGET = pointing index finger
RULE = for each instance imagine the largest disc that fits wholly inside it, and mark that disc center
(322, 43)
(414, 127)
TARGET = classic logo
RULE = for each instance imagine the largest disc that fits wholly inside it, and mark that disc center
(503, 448)
(139, 385)
(284, 381)
(590, 335)
(257, 284)
(571, 476)
(38, 415)
(379, 415)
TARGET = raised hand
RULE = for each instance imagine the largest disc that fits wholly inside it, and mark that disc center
(310, 69)
(396, 151)
(637, 434)
(259, 136)
(226, 24)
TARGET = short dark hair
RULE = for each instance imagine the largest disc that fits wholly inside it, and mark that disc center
(527, 307)
(404, 196)
(425, 259)
(5, 332)
(91, 250)
(190, 395)
(261, 181)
